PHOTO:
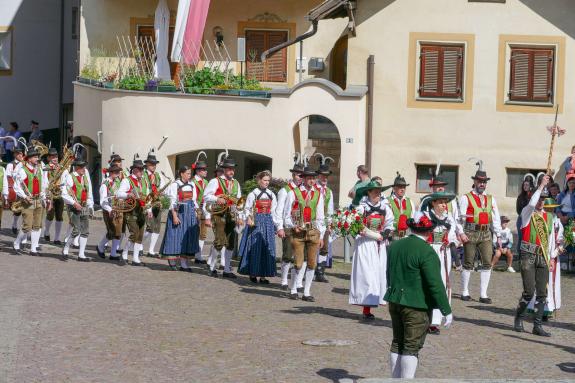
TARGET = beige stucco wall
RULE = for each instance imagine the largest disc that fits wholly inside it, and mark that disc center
(136, 121)
(404, 136)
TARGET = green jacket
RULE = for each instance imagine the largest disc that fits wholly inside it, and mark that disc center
(414, 276)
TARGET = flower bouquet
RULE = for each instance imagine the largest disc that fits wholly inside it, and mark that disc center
(349, 222)
(568, 237)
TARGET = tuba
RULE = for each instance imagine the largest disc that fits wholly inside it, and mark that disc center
(40, 147)
(123, 205)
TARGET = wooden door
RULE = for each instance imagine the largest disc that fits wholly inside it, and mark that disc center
(275, 67)
(338, 63)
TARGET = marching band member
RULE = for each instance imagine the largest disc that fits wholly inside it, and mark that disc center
(182, 230)
(287, 254)
(57, 212)
(153, 183)
(368, 270)
(482, 215)
(325, 252)
(221, 191)
(11, 171)
(77, 195)
(133, 187)
(213, 255)
(435, 207)
(308, 229)
(402, 207)
(257, 247)
(116, 159)
(200, 173)
(30, 186)
(113, 220)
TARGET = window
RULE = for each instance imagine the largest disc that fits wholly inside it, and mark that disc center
(424, 172)
(5, 50)
(531, 74)
(75, 23)
(441, 71)
(515, 180)
(274, 69)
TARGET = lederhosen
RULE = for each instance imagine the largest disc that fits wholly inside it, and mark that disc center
(57, 210)
(200, 188)
(153, 224)
(135, 219)
(223, 224)
(305, 243)
(478, 229)
(79, 219)
(32, 212)
(113, 225)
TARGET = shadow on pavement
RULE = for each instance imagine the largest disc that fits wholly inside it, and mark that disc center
(340, 290)
(336, 374)
(486, 323)
(343, 276)
(336, 313)
(511, 312)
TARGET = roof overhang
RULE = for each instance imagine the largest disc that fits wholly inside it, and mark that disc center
(332, 9)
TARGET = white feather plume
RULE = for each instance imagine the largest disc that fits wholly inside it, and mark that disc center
(199, 154)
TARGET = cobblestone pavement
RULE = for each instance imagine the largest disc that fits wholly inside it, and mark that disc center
(99, 322)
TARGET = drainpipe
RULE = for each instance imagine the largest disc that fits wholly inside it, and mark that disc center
(61, 92)
(369, 122)
(277, 48)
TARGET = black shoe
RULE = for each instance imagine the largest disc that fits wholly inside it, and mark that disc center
(466, 298)
(284, 288)
(34, 254)
(309, 298)
(137, 263)
(300, 290)
(187, 270)
(122, 262)
(200, 262)
(518, 322)
(101, 254)
(368, 317)
(214, 273)
(17, 251)
(47, 238)
(221, 268)
(65, 257)
(320, 277)
(264, 281)
(538, 330)
(545, 318)
(294, 296)
(434, 330)
(487, 301)
(58, 242)
(85, 259)
(115, 259)
(119, 251)
(253, 280)
(14, 230)
(229, 275)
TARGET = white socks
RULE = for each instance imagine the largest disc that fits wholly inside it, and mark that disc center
(300, 275)
(184, 263)
(19, 238)
(213, 257)
(34, 240)
(395, 365)
(153, 240)
(321, 258)
(77, 241)
(57, 230)
(408, 366)
(125, 251)
(15, 221)
(102, 243)
(68, 233)
(115, 244)
(122, 240)
(465, 275)
(286, 266)
(228, 261)
(309, 273)
(136, 254)
(47, 226)
(67, 244)
(83, 241)
(198, 255)
(485, 277)
(293, 281)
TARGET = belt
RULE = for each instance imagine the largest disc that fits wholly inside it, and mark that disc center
(263, 211)
(476, 227)
(530, 248)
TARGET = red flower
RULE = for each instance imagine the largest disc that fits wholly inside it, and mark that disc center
(365, 221)
(346, 213)
(353, 211)
(339, 225)
(346, 225)
(357, 218)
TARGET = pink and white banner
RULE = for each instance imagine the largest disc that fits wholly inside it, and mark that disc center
(190, 24)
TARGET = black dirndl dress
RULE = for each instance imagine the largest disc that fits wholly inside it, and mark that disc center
(258, 246)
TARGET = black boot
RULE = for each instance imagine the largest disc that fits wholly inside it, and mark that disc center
(537, 327)
(518, 326)
(320, 273)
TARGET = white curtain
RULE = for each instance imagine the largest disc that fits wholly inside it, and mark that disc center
(181, 24)
(162, 28)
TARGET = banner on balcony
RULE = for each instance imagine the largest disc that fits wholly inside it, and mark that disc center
(190, 24)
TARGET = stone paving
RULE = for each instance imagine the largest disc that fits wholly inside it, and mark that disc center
(99, 322)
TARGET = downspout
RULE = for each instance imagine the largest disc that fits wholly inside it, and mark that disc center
(369, 120)
(61, 92)
(277, 48)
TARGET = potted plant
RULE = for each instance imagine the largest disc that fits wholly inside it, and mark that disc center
(167, 86)
(203, 81)
(89, 75)
(132, 82)
(151, 85)
(109, 81)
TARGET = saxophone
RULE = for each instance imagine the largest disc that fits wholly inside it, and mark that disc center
(54, 187)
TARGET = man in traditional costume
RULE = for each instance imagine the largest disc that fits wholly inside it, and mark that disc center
(114, 220)
(77, 195)
(415, 288)
(152, 185)
(538, 247)
(200, 168)
(325, 252)
(402, 207)
(287, 254)
(11, 171)
(52, 169)
(304, 214)
(222, 191)
(482, 216)
(30, 185)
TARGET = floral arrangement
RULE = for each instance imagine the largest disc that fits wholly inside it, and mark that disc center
(568, 238)
(346, 222)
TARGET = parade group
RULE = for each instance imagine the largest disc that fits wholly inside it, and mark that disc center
(402, 255)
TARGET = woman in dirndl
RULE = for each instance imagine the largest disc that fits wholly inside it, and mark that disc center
(435, 207)
(181, 240)
(257, 247)
(368, 270)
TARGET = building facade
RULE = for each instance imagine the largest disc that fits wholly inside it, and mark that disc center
(401, 85)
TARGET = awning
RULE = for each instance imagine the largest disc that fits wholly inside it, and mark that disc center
(333, 9)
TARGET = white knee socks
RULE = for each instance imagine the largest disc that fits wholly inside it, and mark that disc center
(153, 240)
(465, 275)
(301, 275)
(321, 258)
(47, 226)
(57, 230)
(408, 366)
(293, 281)
(136, 254)
(125, 251)
(83, 241)
(198, 255)
(102, 243)
(34, 240)
(67, 245)
(115, 244)
(309, 273)
(213, 257)
(19, 239)
(286, 266)
(184, 263)
(485, 277)
(77, 241)
(395, 365)
(228, 261)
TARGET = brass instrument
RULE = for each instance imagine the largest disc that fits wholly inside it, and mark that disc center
(54, 187)
(19, 205)
(237, 204)
(153, 200)
(40, 147)
(122, 205)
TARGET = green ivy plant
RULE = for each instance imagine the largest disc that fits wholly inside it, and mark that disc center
(132, 82)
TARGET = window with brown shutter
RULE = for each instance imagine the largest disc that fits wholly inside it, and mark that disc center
(531, 74)
(441, 71)
(274, 69)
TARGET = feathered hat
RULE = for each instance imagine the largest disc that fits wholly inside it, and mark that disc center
(200, 164)
(324, 164)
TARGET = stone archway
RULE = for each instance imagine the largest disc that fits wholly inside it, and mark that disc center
(318, 134)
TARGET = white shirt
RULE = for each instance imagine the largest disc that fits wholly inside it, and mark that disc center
(105, 195)
(451, 237)
(210, 193)
(19, 181)
(393, 198)
(124, 191)
(67, 188)
(282, 195)
(175, 187)
(251, 201)
(4, 183)
(495, 218)
(12, 168)
(323, 191)
(318, 223)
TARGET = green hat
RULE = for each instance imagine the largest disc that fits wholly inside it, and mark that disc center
(426, 200)
(362, 191)
(550, 203)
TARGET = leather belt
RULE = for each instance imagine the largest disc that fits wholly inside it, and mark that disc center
(476, 227)
(530, 248)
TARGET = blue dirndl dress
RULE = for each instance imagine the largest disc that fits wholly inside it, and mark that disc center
(182, 239)
(258, 248)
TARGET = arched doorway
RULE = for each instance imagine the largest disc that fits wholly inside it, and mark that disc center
(318, 134)
(248, 164)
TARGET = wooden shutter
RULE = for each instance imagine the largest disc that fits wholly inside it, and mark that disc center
(276, 64)
(441, 71)
(275, 67)
(531, 75)
(255, 46)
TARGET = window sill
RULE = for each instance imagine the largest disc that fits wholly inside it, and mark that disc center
(530, 103)
(528, 107)
(439, 99)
